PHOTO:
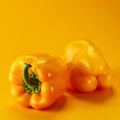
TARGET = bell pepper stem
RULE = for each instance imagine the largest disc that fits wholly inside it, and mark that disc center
(30, 81)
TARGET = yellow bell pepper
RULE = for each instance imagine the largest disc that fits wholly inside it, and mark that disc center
(87, 66)
(37, 80)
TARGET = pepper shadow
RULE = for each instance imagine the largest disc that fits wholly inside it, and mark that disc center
(58, 105)
(32, 114)
(97, 97)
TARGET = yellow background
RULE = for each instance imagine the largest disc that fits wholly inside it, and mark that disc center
(48, 26)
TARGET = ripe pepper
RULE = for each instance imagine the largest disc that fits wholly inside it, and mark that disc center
(87, 66)
(38, 80)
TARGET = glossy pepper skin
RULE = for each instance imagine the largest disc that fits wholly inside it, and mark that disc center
(87, 66)
(37, 80)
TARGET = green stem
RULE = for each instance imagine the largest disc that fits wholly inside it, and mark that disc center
(30, 81)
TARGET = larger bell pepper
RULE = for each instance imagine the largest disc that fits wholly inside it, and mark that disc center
(37, 80)
(87, 66)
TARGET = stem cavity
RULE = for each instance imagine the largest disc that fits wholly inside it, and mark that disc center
(31, 82)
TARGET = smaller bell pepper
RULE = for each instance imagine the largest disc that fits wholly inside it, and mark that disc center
(87, 66)
(38, 80)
